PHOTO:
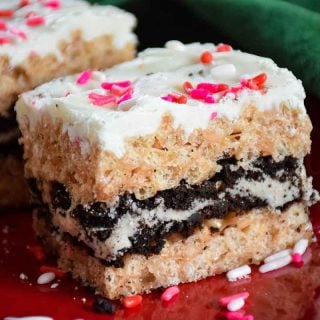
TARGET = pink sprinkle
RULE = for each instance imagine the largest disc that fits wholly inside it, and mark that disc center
(207, 86)
(101, 100)
(35, 21)
(199, 93)
(120, 91)
(53, 4)
(297, 260)
(209, 99)
(213, 115)
(5, 40)
(84, 77)
(169, 293)
(123, 84)
(3, 25)
(125, 97)
(248, 317)
(225, 300)
(234, 315)
(168, 98)
(18, 32)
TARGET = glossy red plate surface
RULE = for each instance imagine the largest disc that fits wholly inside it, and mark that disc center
(288, 293)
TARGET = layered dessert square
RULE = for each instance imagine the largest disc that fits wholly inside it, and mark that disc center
(41, 40)
(183, 163)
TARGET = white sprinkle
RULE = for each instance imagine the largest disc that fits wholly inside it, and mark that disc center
(175, 45)
(28, 318)
(46, 278)
(301, 246)
(23, 276)
(235, 305)
(54, 285)
(127, 104)
(238, 273)
(275, 264)
(224, 71)
(280, 254)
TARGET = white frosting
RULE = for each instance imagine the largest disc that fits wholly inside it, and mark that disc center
(92, 21)
(170, 67)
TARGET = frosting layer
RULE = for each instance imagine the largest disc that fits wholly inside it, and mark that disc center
(104, 113)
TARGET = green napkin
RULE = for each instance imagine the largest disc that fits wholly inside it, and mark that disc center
(288, 31)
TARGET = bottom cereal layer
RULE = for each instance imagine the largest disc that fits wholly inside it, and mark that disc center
(205, 253)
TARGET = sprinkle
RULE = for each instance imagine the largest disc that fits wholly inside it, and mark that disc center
(35, 21)
(257, 82)
(213, 115)
(275, 264)
(5, 40)
(133, 301)
(169, 293)
(100, 100)
(24, 3)
(226, 300)
(206, 57)
(6, 13)
(297, 260)
(224, 71)
(235, 305)
(278, 255)
(187, 86)
(123, 84)
(168, 98)
(38, 252)
(84, 77)
(175, 98)
(222, 47)
(238, 273)
(234, 315)
(18, 32)
(120, 91)
(124, 98)
(199, 93)
(46, 278)
(209, 99)
(3, 25)
(212, 87)
(175, 45)
(23, 276)
(181, 100)
(301, 246)
(54, 285)
(53, 4)
(102, 305)
(58, 273)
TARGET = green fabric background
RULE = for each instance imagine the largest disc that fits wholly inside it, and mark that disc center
(288, 31)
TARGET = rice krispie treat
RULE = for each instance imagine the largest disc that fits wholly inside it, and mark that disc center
(181, 164)
(40, 40)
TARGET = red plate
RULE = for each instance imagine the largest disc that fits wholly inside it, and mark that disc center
(288, 293)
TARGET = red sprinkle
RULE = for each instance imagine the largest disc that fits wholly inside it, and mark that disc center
(199, 93)
(53, 4)
(34, 21)
(222, 47)
(125, 97)
(133, 301)
(3, 25)
(84, 77)
(169, 293)
(187, 86)
(212, 87)
(297, 260)
(59, 273)
(6, 13)
(5, 40)
(101, 100)
(24, 3)
(108, 85)
(181, 100)
(257, 82)
(209, 99)
(38, 252)
(172, 97)
(206, 57)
